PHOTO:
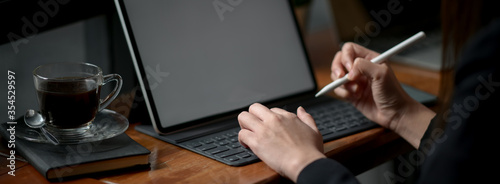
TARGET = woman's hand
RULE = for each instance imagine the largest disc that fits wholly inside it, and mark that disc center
(284, 141)
(374, 90)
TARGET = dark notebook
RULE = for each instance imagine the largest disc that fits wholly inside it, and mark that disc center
(69, 161)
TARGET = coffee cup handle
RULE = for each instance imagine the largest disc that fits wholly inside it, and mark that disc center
(119, 82)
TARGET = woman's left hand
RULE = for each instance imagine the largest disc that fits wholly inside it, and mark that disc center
(284, 141)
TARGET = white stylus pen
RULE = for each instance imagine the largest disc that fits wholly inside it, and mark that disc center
(387, 54)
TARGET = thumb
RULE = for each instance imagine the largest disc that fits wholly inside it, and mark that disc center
(307, 118)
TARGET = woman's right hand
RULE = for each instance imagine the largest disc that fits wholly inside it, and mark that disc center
(374, 90)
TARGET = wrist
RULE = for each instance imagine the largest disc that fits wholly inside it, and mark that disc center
(412, 122)
(297, 165)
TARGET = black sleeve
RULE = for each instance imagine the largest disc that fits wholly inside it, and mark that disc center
(432, 125)
(325, 171)
(464, 151)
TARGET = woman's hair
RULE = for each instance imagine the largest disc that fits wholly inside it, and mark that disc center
(460, 20)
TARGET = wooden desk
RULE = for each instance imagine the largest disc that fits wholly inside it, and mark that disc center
(172, 164)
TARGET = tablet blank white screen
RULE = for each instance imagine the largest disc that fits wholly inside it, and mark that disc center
(209, 57)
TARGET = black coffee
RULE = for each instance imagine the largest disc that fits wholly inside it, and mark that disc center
(69, 107)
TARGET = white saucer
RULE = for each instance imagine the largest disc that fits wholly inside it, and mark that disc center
(107, 124)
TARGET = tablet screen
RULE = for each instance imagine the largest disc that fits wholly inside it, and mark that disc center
(203, 58)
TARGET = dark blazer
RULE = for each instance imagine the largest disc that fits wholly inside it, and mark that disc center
(465, 151)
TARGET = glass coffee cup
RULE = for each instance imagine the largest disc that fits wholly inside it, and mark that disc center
(69, 95)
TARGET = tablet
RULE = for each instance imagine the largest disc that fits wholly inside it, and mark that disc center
(202, 60)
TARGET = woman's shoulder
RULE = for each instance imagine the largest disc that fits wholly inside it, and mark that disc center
(481, 53)
(485, 43)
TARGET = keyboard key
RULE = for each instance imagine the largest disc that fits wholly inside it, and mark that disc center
(232, 159)
(340, 128)
(244, 155)
(364, 121)
(219, 138)
(354, 124)
(207, 147)
(218, 150)
(231, 134)
(336, 119)
(194, 145)
(325, 132)
(223, 143)
(320, 127)
(234, 145)
(330, 124)
(208, 141)
(233, 139)
(230, 153)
